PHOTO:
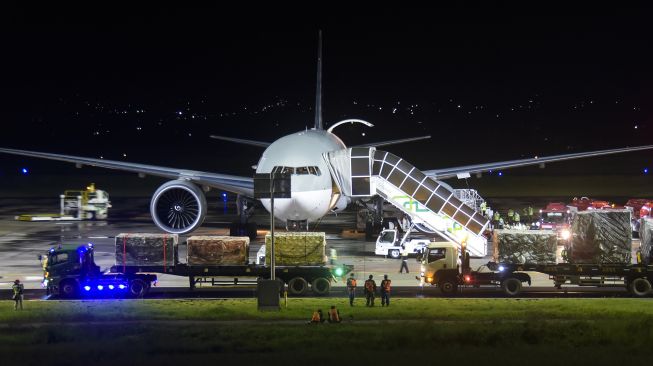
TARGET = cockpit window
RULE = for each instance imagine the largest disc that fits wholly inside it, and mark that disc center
(302, 170)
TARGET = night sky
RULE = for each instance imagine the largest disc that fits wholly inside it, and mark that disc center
(496, 83)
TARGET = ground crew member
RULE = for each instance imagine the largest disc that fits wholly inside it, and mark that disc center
(385, 291)
(333, 256)
(334, 315)
(317, 317)
(370, 289)
(511, 213)
(501, 223)
(404, 259)
(497, 217)
(516, 218)
(18, 289)
(351, 289)
(483, 208)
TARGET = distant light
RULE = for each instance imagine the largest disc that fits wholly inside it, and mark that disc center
(363, 134)
(24, 171)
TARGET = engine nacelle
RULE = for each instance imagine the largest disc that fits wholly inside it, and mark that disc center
(341, 204)
(178, 207)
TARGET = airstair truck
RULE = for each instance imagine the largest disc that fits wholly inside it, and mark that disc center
(70, 270)
(431, 204)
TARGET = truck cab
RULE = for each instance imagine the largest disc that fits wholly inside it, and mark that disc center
(390, 240)
(70, 270)
(440, 265)
(556, 216)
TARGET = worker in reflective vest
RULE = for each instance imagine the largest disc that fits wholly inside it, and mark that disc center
(404, 259)
(370, 289)
(334, 315)
(351, 289)
(385, 291)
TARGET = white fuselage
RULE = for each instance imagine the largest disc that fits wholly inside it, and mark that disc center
(312, 192)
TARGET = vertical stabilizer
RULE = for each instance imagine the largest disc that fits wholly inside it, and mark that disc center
(318, 92)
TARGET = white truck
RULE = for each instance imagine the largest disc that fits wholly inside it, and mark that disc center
(389, 243)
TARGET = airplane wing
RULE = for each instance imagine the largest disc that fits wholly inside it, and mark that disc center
(231, 183)
(393, 142)
(242, 141)
(465, 171)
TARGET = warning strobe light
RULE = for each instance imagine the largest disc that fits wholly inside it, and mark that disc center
(87, 288)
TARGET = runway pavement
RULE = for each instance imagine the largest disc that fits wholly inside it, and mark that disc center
(22, 242)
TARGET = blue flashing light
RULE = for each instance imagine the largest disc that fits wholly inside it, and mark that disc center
(111, 287)
(500, 174)
(87, 288)
(90, 245)
(100, 287)
(121, 286)
(24, 171)
(645, 170)
(501, 268)
(51, 250)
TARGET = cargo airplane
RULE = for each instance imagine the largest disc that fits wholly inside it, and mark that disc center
(179, 205)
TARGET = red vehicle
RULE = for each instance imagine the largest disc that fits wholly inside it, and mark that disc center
(640, 207)
(585, 203)
(555, 216)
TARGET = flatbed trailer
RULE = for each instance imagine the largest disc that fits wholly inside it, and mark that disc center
(297, 278)
(440, 266)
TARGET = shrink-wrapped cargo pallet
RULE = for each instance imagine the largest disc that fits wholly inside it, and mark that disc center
(140, 249)
(524, 246)
(601, 236)
(297, 249)
(646, 239)
(217, 250)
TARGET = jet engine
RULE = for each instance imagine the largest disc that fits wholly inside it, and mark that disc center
(178, 207)
(341, 203)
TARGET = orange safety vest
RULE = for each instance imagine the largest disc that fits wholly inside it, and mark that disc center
(315, 317)
(333, 315)
(385, 284)
(369, 285)
(351, 282)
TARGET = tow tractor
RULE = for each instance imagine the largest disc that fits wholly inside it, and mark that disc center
(87, 204)
(70, 270)
(390, 241)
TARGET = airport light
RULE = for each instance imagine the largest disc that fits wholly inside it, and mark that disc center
(24, 171)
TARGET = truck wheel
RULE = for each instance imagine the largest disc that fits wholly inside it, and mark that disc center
(321, 286)
(137, 288)
(394, 253)
(511, 286)
(68, 289)
(448, 286)
(640, 287)
(297, 286)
